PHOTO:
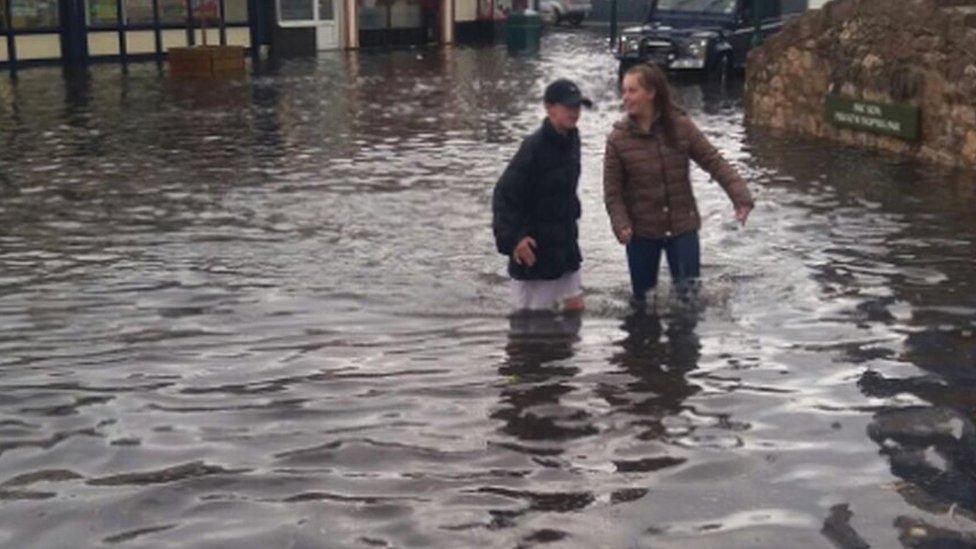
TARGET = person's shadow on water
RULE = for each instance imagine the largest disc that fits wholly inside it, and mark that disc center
(657, 352)
(536, 372)
(536, 377)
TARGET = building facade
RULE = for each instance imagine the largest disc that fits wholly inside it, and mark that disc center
(76, 31)
(80, 31)
(302, 26)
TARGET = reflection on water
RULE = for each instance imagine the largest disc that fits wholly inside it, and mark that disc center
(268, 312)
(906, 271)
(539, 350)
(658, 361)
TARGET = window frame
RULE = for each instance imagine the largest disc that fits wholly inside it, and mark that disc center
(14, 30)
(10, 34)
(298, 23)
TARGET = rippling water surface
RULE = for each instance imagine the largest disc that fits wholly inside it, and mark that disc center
(268, 313)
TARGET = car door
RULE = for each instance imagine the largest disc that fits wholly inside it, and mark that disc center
(772, 17)
(740, 36)
(770, 22)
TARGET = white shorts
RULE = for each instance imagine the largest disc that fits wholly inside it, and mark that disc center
(546, 295)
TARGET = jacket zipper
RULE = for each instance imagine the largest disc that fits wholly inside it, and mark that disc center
(667, 193)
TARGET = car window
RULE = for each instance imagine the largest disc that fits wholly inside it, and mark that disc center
(698, 6)
(768, 10)
(794, 6)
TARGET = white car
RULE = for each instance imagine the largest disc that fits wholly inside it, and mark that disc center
(570, 11)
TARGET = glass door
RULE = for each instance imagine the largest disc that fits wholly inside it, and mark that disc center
(326, 30)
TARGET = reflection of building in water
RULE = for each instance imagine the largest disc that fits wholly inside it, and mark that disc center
(897, 248)
(931, 447)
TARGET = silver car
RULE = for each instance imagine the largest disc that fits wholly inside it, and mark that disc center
(569, 11)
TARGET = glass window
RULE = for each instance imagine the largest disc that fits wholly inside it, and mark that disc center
(102, 13)
(32, 14)
(138, 12)
(698, 6)
(3, 23)
(235, 11)
(405, 14)
(296, 10)
(371, 15)
(326, 10)
(770, 10)
(208, 10)
(172, 11)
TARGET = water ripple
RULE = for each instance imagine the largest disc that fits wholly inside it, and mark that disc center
(268, 312)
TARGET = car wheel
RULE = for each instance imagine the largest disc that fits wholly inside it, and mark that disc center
(575, 19)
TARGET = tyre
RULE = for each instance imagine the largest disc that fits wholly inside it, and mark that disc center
(575, 19)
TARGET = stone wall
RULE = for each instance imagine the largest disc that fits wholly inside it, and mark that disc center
(919, 52)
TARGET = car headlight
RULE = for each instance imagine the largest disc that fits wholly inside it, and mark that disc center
(629, 44)
(698, 48)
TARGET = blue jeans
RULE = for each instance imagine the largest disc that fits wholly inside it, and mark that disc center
(644, 260)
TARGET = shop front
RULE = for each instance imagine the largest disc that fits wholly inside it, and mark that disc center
(391, 22)
(404, 22)
(307, 26)
(76, 31)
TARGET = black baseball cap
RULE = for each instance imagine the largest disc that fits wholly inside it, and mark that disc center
(565, 92)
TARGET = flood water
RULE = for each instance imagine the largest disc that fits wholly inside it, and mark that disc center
(269, 313)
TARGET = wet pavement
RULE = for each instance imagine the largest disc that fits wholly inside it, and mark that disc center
(268, 313)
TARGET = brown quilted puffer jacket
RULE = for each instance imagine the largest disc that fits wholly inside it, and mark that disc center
(645, 181)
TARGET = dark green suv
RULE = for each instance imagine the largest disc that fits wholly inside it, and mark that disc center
(710, 37)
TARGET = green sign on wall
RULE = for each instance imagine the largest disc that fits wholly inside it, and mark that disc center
(898, 120)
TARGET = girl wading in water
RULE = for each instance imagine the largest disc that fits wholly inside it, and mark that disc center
(646, 182)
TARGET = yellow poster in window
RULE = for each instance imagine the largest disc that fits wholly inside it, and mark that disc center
(103, 11)
(32, 14)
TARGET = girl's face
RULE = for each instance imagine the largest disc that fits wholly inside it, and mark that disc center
(637, 99)
(562, 117)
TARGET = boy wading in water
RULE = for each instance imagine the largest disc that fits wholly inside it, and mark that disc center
(535, 208)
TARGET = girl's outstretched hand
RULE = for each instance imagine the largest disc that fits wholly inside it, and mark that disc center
(742, 213)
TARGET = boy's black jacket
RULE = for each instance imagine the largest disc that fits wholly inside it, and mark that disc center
(536, 196)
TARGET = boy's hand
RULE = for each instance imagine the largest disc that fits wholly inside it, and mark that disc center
(524, 254)
(742, 213)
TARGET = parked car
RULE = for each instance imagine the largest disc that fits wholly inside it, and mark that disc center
(711, 37)
(569, 11)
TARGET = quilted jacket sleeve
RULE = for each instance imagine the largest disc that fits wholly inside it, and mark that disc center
(707, 156)
(613, 193)
(510, 201)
